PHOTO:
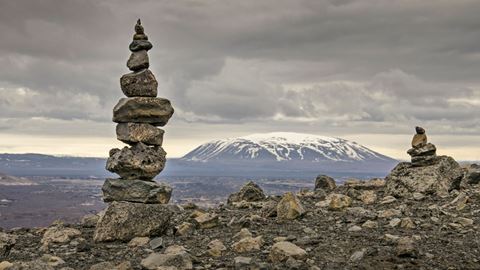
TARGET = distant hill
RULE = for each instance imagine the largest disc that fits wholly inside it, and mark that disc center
(8, 180)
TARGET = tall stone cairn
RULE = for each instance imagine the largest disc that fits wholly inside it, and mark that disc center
(137, 202)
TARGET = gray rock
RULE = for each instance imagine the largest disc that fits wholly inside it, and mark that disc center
(132, 133)
(406, 247)
(250, 192)
(7, 241)
(472, 175)
(156, 111)
(325, 182)
(138, 61)
(136, 191)
(124, 221)
(139, 84)
(439, 178)
(156, 243)
(138, 45)
(137, 162)
(424, 155)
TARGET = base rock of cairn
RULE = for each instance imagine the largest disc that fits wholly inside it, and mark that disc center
(426, 174)
(137, 203)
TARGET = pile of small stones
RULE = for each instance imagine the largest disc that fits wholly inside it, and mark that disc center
(135, 195)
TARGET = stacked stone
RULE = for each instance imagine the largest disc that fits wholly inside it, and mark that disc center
(422, 152)
(138, 117)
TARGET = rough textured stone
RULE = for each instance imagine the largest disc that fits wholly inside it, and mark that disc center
(406, 247)
(175, 256)
(136, 191)
(284, 250)
(438, 178)
(325, 182)
(59, 234)
(248, 244)
(137, 162)
(7, 241)
(132, 133)
(216, 248)
(289, 207)
(138, 45)
(139, 84)
(339, 202)
(138, 61)
(156, 111)
(207, 221)
(472, 175)
(124, 221)
(250, 192)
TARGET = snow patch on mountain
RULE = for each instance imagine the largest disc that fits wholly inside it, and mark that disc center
(284, 146)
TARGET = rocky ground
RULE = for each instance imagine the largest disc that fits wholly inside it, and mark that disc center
(353, 226)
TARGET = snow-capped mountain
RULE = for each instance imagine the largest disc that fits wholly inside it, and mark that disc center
(284, 146)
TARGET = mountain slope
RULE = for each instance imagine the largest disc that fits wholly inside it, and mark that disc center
(283, 146)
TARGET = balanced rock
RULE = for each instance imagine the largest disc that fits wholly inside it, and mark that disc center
(137, 162)
(439, 178)
(419, 139)
(138, 45)
(139, 32)
(132, 133)
(139, 84)
(125, 220)
(135, 191)
(325, 182)
(138, 61)
(156, 111)
(289, 207)
(250, 192)
(424, 155)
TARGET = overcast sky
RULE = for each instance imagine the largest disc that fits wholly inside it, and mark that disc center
(369, 71)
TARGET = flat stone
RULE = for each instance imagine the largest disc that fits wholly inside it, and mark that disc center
(207, 221)
(132, 133)
(325, 182)
(137, 162)
(125, 220)
(289, 207)
(172, 257)
(136, 191)
(248, 244)
(250, 192)
(156, 111)
(138, 45)
(424, 155)
(138, 61)
(139, 84)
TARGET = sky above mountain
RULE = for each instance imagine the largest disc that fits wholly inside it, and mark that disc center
(367, 71)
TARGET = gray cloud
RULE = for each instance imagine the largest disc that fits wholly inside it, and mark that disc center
(341, 66)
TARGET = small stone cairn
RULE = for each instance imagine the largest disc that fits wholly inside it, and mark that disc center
(136, 201)
(422, 152)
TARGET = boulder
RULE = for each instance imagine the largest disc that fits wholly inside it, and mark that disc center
(325, 182)
(472, 175)
(135, 191)
(138, 60)
(7, 241)
(282, 251)
(439, 178)
(289, 207)
(139, 84)
(174, 256)
(250, 192)
(156, 111)
(138, 45)
(125, 220)
(132, 133)
(137, 162)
